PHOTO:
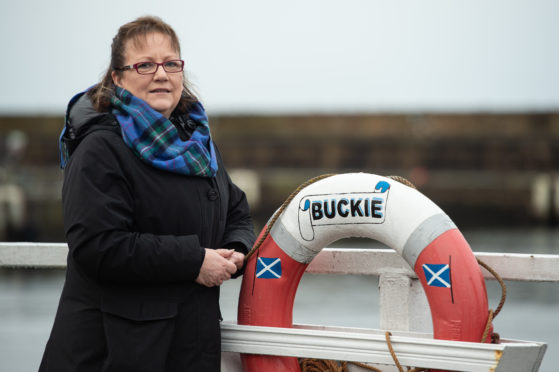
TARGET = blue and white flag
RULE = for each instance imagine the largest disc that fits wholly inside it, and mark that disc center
(437, 275)
(268, 268)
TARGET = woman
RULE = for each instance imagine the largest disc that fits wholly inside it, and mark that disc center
(153, 222)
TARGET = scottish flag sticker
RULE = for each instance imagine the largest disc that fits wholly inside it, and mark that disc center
(437, 275)
(268, 268)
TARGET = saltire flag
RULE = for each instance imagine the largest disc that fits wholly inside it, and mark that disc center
(437, 275)
(268, 268)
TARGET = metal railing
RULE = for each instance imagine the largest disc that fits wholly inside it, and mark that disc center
(403, 305)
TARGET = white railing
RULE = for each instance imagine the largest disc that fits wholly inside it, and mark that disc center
(401, 295)
(403, 308)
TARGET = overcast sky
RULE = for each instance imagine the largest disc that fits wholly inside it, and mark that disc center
(250, 56)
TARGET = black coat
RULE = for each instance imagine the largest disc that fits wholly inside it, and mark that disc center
(136, 238)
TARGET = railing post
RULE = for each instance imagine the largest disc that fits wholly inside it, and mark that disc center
(403, 304)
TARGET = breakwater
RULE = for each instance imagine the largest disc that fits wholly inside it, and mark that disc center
(484, 169)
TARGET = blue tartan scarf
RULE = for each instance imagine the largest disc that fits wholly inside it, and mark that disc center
(155, 140)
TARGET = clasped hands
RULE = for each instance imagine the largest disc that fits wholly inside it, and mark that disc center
(218, 266)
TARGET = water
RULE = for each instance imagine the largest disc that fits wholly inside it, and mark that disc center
(28, 301)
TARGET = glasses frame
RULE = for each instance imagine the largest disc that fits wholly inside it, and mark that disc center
(162, 64)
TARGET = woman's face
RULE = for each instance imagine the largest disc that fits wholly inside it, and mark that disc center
(162, 90)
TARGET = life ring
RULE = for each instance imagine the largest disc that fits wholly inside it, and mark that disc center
(370, 206)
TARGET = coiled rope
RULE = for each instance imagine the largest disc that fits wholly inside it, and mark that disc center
(323, 365)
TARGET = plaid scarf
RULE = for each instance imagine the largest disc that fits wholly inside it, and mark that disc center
(156, 141)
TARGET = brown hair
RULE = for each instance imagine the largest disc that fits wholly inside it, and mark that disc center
(101, 93)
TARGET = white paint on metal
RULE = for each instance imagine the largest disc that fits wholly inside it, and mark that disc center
(403, 304)
(510, 266)
(369, 346)
(33, 255)
(339, 261)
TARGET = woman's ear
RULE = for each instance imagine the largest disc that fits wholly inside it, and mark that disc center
(116, 78)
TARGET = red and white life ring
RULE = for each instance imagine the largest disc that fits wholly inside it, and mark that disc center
(371, 206)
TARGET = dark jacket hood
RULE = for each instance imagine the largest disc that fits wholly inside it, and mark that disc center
(80, 120)
(80, 113)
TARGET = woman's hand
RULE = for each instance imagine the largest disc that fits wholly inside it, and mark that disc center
(238, 259)
(218, 266)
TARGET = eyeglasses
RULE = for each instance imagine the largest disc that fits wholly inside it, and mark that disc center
(147, 68)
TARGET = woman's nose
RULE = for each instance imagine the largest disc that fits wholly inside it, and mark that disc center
(160, 73)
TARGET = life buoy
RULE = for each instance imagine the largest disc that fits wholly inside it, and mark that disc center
(375, 207)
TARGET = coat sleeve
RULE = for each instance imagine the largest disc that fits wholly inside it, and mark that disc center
(98, 216)
(239, 228)
(239, 231)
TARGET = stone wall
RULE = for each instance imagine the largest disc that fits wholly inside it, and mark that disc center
(482, 169)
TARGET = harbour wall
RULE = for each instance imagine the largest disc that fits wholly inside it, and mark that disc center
(483, 169)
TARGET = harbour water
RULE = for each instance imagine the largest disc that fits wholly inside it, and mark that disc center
(28, 301)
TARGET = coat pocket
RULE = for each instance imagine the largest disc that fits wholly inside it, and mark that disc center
(138, 334)
(140, 310)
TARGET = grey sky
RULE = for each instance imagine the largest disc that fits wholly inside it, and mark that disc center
(300, 55)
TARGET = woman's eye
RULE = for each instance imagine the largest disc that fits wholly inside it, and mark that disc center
(146, 66)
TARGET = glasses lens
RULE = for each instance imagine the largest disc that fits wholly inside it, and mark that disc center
(146, 67)
(173, 66)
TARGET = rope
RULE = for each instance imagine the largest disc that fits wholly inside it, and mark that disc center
(394, 357)
(402, 180)
(492, 314)
(322, 365)
(366, 366)
(488, 325)
(281, 209)
(501, 282)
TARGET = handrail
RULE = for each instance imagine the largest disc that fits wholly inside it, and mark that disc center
(340, 261)
(403, 310)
